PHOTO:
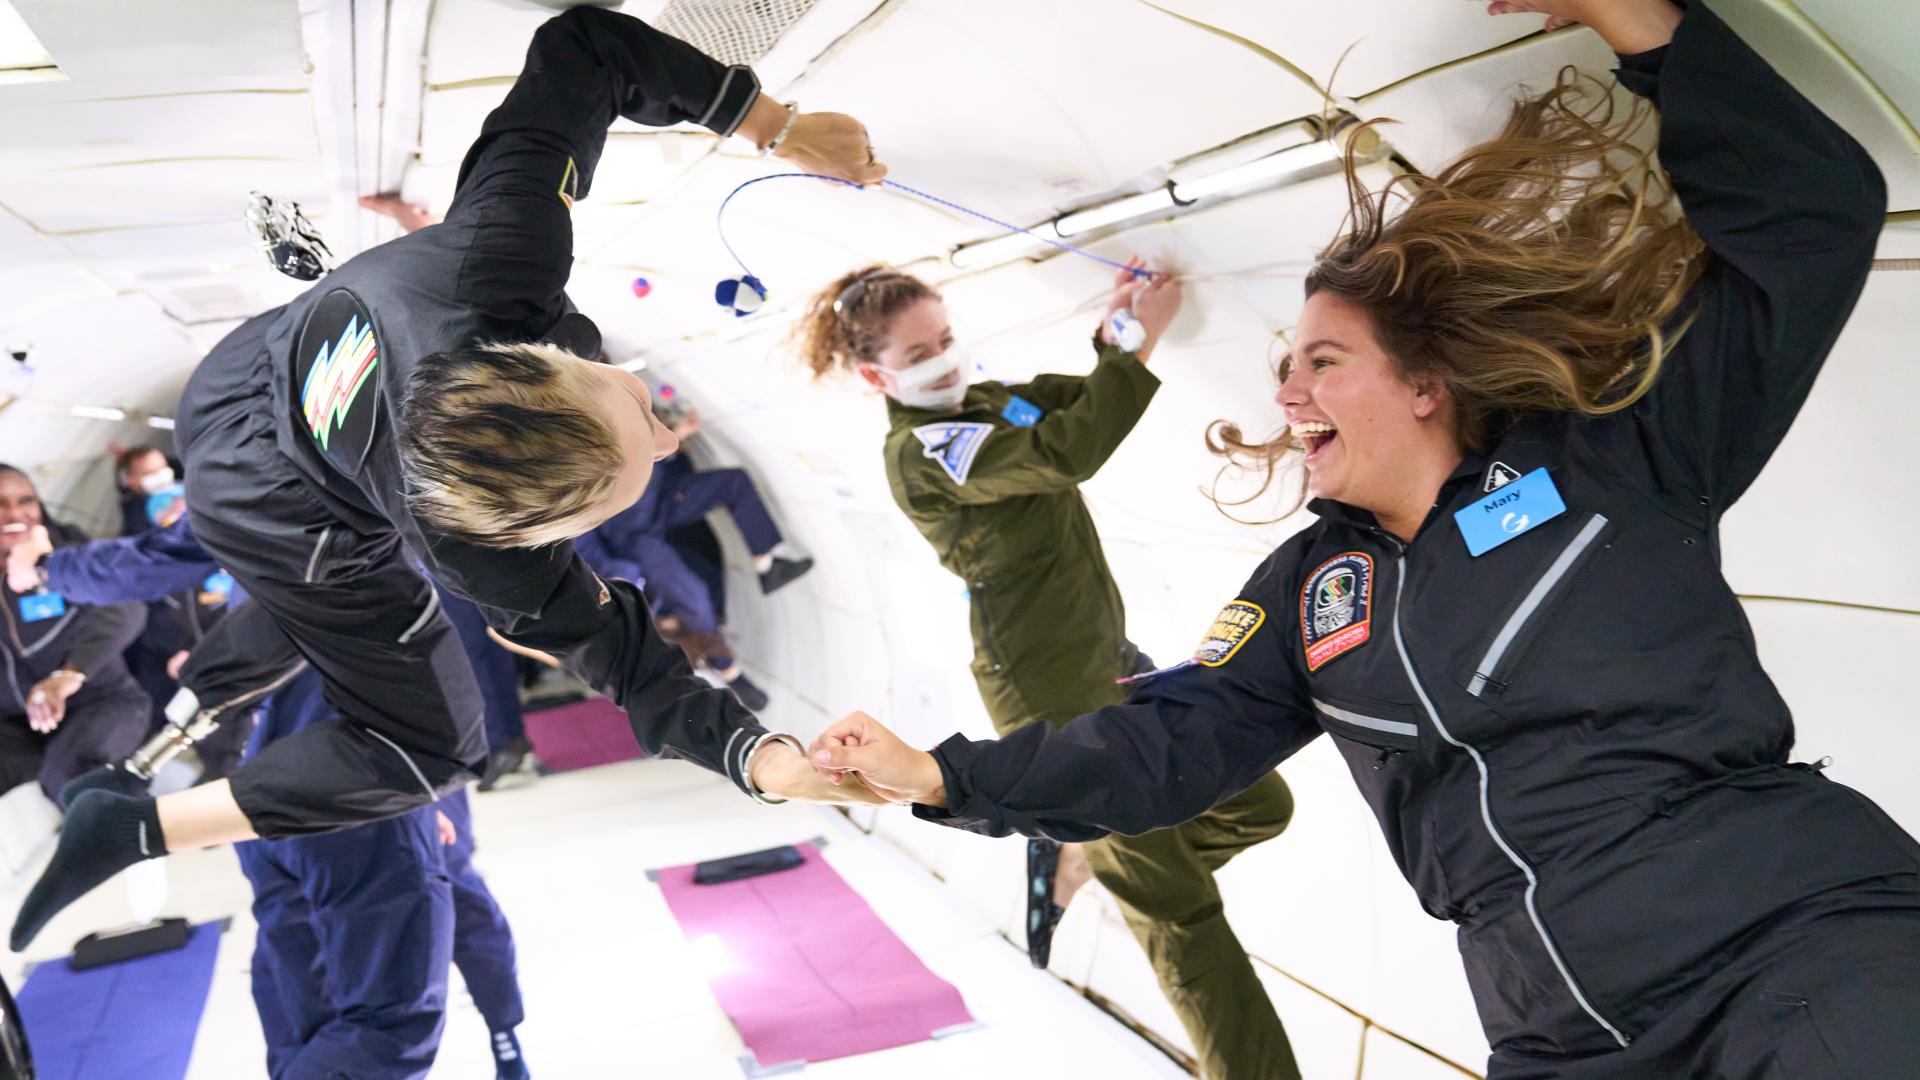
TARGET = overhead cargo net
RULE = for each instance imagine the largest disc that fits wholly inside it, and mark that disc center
(731, 31)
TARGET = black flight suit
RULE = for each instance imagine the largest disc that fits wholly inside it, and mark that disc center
(1569, 742)
(296, 487)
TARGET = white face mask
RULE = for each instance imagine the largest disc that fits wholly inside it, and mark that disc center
(157, 480)
(913, 387)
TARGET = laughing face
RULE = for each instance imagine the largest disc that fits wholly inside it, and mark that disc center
(1360, 422)
(19, 508)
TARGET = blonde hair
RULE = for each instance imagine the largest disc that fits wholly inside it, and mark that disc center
(846, 322)
(503, 445)
(1542, 271)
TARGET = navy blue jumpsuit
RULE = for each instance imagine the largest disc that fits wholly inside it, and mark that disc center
(357, 927)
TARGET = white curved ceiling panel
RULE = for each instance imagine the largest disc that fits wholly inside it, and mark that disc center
(1389, 40)
(1450, 109)
(1819, 69)
(157, 193)
(975, 99)
(113, 48)
(40, 137)
(38, 275)
(483, 39)
(1881, 37)
(1439, 114)
(1843, 476)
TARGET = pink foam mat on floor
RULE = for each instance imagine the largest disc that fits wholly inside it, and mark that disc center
(584, 733)
(811, 972)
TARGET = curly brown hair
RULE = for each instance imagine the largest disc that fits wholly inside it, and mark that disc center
(845, 326)
(1544, 270)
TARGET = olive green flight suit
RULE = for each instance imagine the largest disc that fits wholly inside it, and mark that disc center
(994, 489)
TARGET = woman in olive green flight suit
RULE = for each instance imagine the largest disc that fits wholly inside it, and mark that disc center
(990, 475)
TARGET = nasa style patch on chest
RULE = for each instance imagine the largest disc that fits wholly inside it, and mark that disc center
(1336, 607)
(954, 446)
(334, 367)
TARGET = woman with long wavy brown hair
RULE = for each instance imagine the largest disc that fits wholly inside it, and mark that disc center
(1526, 390)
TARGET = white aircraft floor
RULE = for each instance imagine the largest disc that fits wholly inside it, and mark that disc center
(610, 987)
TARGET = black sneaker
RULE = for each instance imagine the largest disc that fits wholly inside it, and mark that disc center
(748, 694)
(782, 572)
(505, 761)
(1043, 862)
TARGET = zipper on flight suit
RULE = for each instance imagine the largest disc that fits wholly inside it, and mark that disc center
(1572, 559)
(1486, 812)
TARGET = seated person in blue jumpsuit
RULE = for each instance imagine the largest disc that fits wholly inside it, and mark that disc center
(634, 545)
(312, 1021)
(141, 472)
(67, 703)
(356, 929)
(161, 565)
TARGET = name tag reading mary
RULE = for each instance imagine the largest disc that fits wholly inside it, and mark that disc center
(1509, 511)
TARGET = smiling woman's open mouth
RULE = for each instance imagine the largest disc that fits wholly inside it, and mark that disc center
(1315, 436)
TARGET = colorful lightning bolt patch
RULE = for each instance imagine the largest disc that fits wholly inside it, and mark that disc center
(340, 368)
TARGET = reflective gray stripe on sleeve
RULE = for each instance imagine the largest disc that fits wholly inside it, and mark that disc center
(720, 97)
(735, 766)
(419, 624)
(417, 774)
(1391, 727)
(313, 561)
(1580, 542)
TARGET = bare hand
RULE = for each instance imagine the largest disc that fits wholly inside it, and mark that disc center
(410, 217)
(175, 663)
(777, 770)
(24, 557)
(1559, 13)
(834, 144)
(518, 649)
(47, 701)
(1154, 300)
(860, 747)
(448, 834)
(1629, 26)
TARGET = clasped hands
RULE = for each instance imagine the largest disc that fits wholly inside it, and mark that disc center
(856, 761)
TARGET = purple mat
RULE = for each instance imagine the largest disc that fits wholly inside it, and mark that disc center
(813, 974)
(134, 1020)
(590, 732)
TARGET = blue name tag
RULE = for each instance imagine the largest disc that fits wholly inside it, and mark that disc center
(1020, 412)
(37, 606)
(1510, 511)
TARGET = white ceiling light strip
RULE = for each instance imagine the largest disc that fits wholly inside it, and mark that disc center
(1286, 155)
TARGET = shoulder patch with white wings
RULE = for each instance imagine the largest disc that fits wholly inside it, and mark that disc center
(954, 446)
